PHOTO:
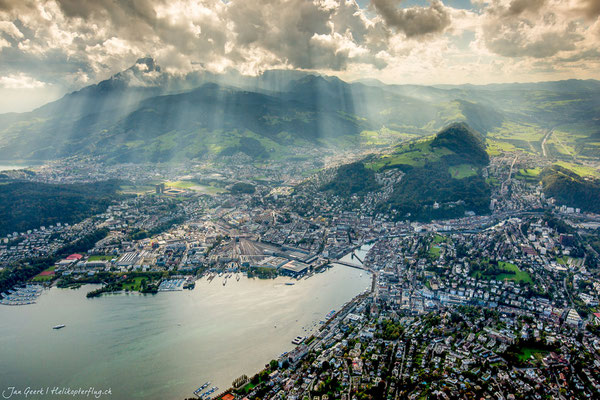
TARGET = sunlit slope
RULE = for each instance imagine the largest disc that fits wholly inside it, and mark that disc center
(313, 112)
(572, 187)
(135, 116)
(443, 176)
(222, 121)
(455, 145)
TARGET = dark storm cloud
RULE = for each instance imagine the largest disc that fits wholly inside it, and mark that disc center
(590, 8)
(260, 33)
(119, 11)
(78, 42)
(534, 28)
(53, 68)
(11, 5)
(585, 8)
(515, 44)
(301, 33)
(414, 21)
(285, 28)
(519, 6)
(587, 55)
(137, 21)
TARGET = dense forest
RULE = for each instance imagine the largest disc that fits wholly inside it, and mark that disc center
(570, 189)
(352, 179)
(27, 205)
(242, 188)
(415, 195)
(467, 144)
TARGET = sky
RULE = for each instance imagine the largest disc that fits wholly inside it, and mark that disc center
(52, 47)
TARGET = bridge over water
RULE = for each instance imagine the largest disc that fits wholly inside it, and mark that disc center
(349, 264)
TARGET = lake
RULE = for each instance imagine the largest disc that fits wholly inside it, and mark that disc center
(8, 167)
(164, 346)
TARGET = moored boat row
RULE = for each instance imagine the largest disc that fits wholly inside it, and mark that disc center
(206, 395)
(201, 388)
(21, 296)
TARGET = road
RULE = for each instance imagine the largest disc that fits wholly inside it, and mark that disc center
(546, 137)
(507, 181)
(567, 291)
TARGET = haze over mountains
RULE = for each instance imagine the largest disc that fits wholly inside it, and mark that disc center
(143, 114)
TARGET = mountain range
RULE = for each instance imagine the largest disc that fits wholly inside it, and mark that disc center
(144, 114)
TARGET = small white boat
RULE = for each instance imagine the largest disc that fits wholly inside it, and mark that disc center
(298, 340)
(59, 326)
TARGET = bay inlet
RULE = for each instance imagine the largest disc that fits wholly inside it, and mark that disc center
(164, 346)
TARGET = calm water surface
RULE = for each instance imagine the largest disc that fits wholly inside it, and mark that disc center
(164, 346)
(8, 167)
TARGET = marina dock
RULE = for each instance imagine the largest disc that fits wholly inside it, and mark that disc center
(21, 296)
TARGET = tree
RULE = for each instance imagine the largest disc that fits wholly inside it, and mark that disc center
(273, 365)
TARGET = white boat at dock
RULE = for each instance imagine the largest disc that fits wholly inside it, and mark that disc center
(298, 340)
(201, 388)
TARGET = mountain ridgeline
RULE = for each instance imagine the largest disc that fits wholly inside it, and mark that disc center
(442, 176)
(144, 114)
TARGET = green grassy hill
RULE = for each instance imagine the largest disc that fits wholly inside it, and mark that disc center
(457, 146)
(442, 176)
(571, 188)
